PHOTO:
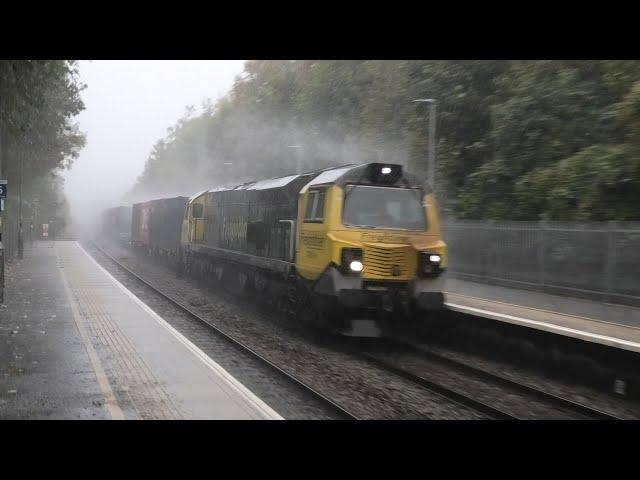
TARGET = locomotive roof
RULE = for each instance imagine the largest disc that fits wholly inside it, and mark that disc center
(340, 174)
(374, 173)
(196, 195)
(280, 182)
(328, 176)
(272, 183)
(160, 199)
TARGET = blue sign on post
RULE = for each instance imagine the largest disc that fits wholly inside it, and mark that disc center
(3, 189)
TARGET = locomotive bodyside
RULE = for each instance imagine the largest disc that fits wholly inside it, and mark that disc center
(357, 236)
(156, 224)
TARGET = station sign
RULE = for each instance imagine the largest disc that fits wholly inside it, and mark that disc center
(3, 189)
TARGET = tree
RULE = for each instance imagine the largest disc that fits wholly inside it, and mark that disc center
(516, 139)
(38, 101)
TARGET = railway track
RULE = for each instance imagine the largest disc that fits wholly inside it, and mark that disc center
(575, 410)
(460, 397)
(336, 409)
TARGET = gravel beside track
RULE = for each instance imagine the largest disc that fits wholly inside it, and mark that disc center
(362, 388)
(508, 396)
(616, 405)
(352, 383)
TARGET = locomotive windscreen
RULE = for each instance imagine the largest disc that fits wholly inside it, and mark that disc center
(384, 207)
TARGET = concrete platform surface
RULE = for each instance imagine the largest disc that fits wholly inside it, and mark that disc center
(75, 343)
(608, 324)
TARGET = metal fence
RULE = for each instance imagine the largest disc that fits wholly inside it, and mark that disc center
(595, 259)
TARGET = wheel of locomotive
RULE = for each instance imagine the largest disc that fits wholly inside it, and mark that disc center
(194, 268)
(231, 279)
(187, 267)
(283, 303)
(245, 281)
(218, 272)
(307, 313)
(211, 278)
(202, 274)
(260, 285)
(334, 320)
(179, 263)
(429, 323)
(333, 316)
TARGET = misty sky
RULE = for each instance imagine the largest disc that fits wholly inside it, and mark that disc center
(129, 106)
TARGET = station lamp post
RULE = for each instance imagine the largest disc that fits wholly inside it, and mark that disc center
(431, 166)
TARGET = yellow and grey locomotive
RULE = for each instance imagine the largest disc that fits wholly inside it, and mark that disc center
(350, 238)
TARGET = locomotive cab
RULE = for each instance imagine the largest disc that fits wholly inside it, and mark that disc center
(369, 237)
(193, 223)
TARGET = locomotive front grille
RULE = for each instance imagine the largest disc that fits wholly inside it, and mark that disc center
(386, 263)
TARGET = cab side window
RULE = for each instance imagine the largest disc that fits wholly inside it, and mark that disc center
(196, 210)
(315, 206)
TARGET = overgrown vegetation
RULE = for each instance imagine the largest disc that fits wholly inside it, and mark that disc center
(522, 140)
(38, 100)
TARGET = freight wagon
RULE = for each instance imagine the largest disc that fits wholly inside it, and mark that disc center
(116, 223)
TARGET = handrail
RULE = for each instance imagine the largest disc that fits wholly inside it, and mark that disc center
(291, 237)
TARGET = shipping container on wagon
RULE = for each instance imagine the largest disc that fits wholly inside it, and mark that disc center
(140, 213)
(165, 223)
(157, 224)
(116, 223)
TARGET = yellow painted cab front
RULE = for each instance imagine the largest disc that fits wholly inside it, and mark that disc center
(360, 238)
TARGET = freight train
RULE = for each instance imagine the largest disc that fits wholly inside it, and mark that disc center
(324, 244)
(116, 223)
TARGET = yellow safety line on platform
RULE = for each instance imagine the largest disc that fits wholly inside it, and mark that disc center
(230, 381)
(111, 403)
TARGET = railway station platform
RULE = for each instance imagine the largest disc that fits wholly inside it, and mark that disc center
(605, 323)
(76, 344)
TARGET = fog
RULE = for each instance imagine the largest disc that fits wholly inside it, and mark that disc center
(129, 106)
(247, 146)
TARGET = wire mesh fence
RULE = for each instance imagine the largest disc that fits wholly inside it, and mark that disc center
(599, 259)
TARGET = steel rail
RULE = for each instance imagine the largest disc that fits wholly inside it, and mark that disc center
(522, 388)
(330, 404)
(451, 395)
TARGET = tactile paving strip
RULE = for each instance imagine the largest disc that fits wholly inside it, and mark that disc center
(128, 371)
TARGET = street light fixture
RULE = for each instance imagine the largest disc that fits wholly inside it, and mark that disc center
(431, 167)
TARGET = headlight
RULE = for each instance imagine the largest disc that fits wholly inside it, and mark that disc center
(351, 260)
(429, 264)
(356, 266)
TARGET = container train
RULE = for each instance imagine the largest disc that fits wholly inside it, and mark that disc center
(350, 239)
(116, 223)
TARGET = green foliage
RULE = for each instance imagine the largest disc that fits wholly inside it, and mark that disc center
(38, 100)
(598, 183)
(516, 139)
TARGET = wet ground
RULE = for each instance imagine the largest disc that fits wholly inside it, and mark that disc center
(45, 370)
